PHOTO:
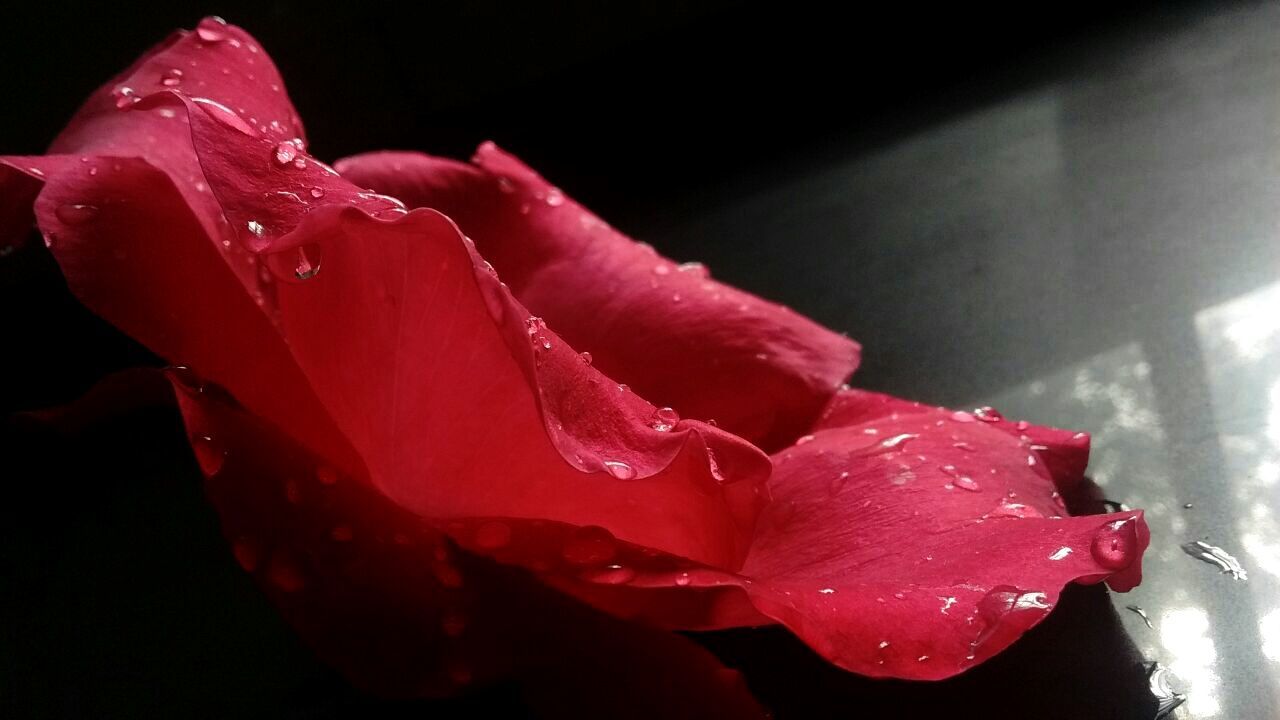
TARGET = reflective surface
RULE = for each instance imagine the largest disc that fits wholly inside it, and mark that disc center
(1095, 249)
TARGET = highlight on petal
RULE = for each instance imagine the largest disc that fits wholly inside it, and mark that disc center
(671, 332)
(459, 401)
(909, 541)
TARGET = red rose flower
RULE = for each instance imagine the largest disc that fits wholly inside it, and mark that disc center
(422, 463)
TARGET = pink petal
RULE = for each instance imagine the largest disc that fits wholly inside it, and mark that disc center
(679, 338)
(390, 602)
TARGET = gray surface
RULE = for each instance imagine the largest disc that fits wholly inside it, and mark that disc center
(1093, 247)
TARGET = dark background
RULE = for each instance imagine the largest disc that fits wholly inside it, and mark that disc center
(876, 169)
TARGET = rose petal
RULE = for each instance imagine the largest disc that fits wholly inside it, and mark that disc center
(1064, 452)
(676, 336)
(916, 544)
(390, 602)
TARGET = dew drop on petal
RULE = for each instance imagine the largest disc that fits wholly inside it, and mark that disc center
(171, 77)
(1115, 543)
(898, 440)
(664, 419)
(619, 469)
(1060, 553)
(73, 214)
(285, 152)
(209, 454)
(586, 357)
(317, 192)
(610, 575)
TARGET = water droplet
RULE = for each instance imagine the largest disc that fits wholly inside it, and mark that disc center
(285, 152)
(589, 545)
(255, 228)
(555, 198)
(610, 575)
(317, 192)
(210, 35)
(1059, 501)
(246, 554)
(1060, 553)
(171, 77)
(695, 268)
(827, 591)
(961, 416)
(1215, 555)
(341, 533)
(1014, 510)
(1187, 506)
(493, 535)
(838, 482)
(1115, 543)
(209, 454)
(1022, 425)
(898, 440)
(326, 475)
(76, 214)
(125, 97)
(964, 482)
(1137, 610)
(683, 579)
(884, 644)
(307, 262)
(1167, 689)
(619, 469)
(586, 357)
(963, 446)
(988, 414)
(664, 419)
(804, 440)
(922, 658)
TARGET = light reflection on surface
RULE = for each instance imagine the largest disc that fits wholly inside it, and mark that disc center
(1202, 618)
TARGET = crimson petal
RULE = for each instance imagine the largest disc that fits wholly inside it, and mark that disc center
(675, 335)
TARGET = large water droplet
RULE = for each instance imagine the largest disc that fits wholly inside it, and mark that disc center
(125, 97)
(555, 198)
(209, 34)
(898, 440)
(1215, 555)
(988, 414)
(1060, 553)
(610, 575)
(71, 214)
(664, 419)
(696, 269)
(209, 454)
(619, 469)
(1115, 543)
(493, 534)
(285, 152)
(589, 545)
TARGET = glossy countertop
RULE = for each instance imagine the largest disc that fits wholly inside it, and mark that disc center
(1097, 247)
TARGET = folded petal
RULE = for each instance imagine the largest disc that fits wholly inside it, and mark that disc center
(392, 603)
(678, 337)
